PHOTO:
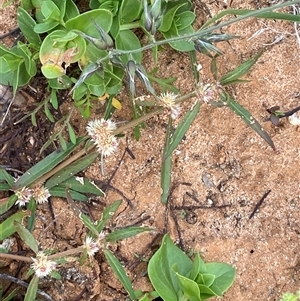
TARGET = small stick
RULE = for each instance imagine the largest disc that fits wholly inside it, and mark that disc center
(259, 203)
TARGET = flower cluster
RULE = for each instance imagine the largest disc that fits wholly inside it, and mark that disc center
(169, 101)
(93, 246)
(101, 133)
(39, 193)
(42, 266)
(206, 92)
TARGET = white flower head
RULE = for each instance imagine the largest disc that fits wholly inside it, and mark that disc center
(169, 101)
(101, 133)
(42, 266)
(206, 92)
(24, 195)
(40, 194)
(91, 246)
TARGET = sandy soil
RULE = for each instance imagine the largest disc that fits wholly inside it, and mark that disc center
(221, 166)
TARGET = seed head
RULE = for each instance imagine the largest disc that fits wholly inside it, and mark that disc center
(42, 266)
(206, 92)
(24, 195)
(169, 101)
(40, 194)
(91, 246)
(101, 133)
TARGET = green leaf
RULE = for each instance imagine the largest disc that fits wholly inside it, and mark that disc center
(160, 269)
(4, 175)
(127, 40)
(168, 18)
(130, 10)
(72, 134)
(32, 289)
(54, 274)
(224, 276)
(71, 10)
(86, 187)
(196, 267)
(120, 273)
(241, 70)
(166, 168)
(6, 205)
(27, 237)
(107, 214)
(48, 113)
(247, 118)
(44, 27)
(71, 170)
(45, 165)
(184, 19)
(119, 234)
(11, 295)
(182, 129)
(265, 13)
(62, 141)
(7, 227)
(50, 11)
(189, 288)
(83, 23)
(31, 219)
(60, 191)
(26, 24)
(27, 4)
(89, 224)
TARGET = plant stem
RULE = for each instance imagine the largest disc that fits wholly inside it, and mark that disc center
(117, 131)
(50, 257)
(202, 32)
(129, 26)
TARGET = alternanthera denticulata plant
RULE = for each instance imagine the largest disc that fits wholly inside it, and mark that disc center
(55, 175)
(47, 262)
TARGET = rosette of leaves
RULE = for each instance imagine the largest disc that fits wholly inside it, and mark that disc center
(175, 276)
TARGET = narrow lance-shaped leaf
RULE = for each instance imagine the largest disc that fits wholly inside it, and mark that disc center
(84, 218)
(71, 170)
(45, 165)
(108, 212)
(248, 119)
(182, 128)
(60, 191)
(6, 205)
(7, 228)
(234, 75)
(82, 185)
(31, 219)
(27, 237)
(120, 273)
(4, 175)
(119, 234)
(166, 168)
(32, 289)
(261, 13)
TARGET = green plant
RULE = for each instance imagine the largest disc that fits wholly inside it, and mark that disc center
(175, 276)
(45, 262)
(290, 297)
(95, 51)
